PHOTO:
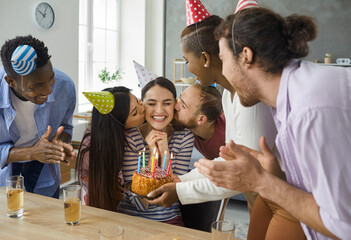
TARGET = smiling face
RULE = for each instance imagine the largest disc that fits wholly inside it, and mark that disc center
(196, 67)
(245, 88)
(136, 113)
(159, 107)
(37, 86)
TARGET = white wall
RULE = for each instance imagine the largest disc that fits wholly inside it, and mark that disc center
(154, 52)
(16, 18)
(141, 26)
(142, 31)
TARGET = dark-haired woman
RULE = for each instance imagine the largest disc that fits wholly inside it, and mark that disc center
(311, 108)
(243, 125)
(159, 98)
(100, 157)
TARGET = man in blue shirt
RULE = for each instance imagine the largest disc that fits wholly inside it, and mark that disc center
(36, 111)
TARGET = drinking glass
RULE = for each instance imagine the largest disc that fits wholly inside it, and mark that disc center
(222, 230)
(14, 192)
(72, 204)
(111, 232)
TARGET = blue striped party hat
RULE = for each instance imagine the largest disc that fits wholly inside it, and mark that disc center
(23, 60)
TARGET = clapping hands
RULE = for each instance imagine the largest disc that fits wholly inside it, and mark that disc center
(54, 150)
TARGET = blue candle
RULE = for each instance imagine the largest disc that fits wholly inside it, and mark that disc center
(139, 160)
(165, 160)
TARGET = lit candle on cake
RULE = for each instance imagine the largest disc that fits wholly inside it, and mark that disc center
(139, 162)
(156, 159)
(169, 165)
(153, 160)
(144, 159)
(164, 161)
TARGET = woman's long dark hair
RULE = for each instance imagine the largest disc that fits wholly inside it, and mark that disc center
(106, 151)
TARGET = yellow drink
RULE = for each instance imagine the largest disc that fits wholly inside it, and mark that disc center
(14, 200)
(72, 210)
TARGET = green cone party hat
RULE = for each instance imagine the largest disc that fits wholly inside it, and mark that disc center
(103, 101)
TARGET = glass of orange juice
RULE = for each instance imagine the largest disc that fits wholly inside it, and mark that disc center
(14, 192)
(72, 204)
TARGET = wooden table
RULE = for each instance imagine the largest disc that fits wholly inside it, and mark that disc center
(44, 219)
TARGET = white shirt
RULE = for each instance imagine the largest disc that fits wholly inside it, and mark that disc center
(25, 122)
(245, 126)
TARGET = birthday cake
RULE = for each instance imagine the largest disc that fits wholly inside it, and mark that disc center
(143, 182)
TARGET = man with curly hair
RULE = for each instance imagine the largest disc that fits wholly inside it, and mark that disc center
(36, 111)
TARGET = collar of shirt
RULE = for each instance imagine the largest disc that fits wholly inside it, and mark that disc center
(283, 106)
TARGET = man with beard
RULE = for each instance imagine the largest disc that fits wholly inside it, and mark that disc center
(200, 110)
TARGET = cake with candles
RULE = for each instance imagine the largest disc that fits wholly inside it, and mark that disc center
(146, 181)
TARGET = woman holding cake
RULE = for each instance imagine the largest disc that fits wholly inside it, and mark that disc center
(159, 98)
(101, 153)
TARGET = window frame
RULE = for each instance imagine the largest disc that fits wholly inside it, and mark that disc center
(88, 77)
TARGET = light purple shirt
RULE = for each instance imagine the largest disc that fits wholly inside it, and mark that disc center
(313, 118)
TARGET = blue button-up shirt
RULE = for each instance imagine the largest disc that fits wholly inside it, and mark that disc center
(56, 111)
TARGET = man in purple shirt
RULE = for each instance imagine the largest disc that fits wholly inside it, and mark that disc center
(311, 105)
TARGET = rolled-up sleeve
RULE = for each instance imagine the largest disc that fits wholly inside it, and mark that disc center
(196, 188)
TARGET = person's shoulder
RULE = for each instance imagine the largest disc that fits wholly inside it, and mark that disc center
(64, 83)
(220, 120)
(62, 78)
(2, 75)
(132, 134)
(184, 135)
(318, 86)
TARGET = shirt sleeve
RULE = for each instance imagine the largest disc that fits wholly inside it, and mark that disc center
(192, 175)
(4, 153)
(67, 121)
(182, 157)
(323, 150)
(201, 189)
(251, 123)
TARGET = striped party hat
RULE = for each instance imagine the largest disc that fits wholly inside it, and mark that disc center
(242, 4)
(103, 101)
(144, 75)
(195, 12)
(23, 60)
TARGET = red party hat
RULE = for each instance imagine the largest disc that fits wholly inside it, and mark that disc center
(242, 4)
(195, 12)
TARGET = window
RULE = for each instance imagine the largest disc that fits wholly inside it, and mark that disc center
(98, 45)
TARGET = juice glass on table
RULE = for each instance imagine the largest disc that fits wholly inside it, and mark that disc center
(72, 204)
(14, 192)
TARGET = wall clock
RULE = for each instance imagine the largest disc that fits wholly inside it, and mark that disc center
(44, 15)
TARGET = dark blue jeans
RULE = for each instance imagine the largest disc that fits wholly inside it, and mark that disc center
(31, 172)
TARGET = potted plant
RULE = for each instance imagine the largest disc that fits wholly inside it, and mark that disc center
(106, 76)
